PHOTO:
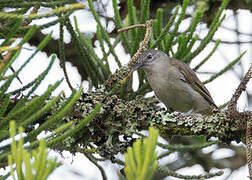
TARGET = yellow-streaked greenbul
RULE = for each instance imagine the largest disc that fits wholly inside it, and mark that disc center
(175, 83)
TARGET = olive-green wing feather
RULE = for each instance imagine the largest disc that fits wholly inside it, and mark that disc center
(192, 79)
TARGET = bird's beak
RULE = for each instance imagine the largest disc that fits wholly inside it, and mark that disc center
(138, 65)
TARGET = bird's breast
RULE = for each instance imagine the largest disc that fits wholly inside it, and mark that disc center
(171, 89)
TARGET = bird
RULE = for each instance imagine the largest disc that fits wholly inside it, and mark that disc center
(175, 84)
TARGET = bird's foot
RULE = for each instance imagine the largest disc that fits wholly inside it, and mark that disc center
(185, 114)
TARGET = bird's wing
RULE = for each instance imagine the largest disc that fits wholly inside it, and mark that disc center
(192, 79)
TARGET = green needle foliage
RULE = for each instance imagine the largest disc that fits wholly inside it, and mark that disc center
(29, 109)
(141, 160)
(29, 165)
(55, 12)
(165, 36)
(70, 119)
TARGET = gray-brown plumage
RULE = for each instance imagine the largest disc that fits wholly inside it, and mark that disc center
(175, 83)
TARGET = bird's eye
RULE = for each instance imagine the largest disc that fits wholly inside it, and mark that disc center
(149, 56)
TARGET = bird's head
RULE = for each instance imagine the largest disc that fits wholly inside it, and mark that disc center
(149, 58)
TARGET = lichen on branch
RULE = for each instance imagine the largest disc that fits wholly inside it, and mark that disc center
(122, 118)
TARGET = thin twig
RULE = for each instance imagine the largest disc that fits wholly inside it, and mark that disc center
(62, 55)
(92, 159)
(113, 79)
(225, 69)
(143, 44)
(235, 30)
(66, 76)
(248, 147)
(225, 42)
(166, 171)
(231, 42)
(242, 87)
(232, 111)
(119, 162)
(131, 27)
